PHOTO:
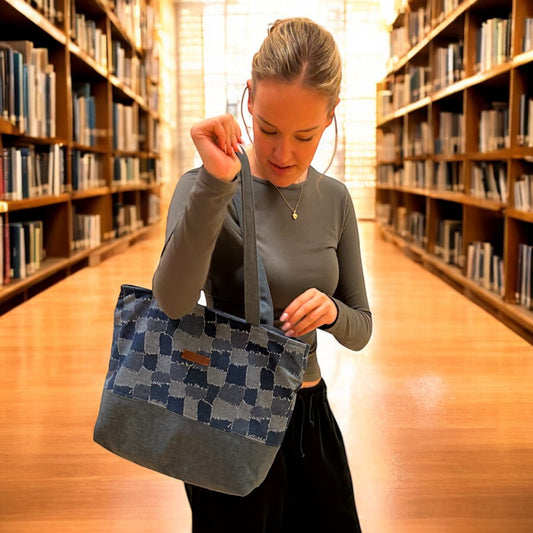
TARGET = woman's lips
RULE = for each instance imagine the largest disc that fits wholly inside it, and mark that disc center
(281, 169)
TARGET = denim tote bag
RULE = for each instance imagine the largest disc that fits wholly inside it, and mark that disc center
(206, 398)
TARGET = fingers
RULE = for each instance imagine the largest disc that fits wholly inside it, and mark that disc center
(217, 140)
(222, 131)
(308, 311)
(227, 134)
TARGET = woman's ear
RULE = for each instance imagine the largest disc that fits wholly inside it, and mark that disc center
(250, 98)
(331, 114)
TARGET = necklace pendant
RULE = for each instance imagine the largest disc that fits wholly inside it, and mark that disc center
(294, 215)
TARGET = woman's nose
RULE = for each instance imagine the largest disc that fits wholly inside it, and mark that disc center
(282, 150)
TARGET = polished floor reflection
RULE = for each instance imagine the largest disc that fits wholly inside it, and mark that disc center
(437, 411)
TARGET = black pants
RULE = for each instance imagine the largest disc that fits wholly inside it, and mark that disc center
(309, 487)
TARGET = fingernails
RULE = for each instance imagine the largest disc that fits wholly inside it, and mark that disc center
(284, 317)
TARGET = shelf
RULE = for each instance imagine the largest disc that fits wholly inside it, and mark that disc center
(75, 127)
(489, 238)
(20, 13)
(32, 203)
(515, 316)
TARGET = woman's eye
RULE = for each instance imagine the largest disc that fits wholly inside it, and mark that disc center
(304, 139)
(267, 132)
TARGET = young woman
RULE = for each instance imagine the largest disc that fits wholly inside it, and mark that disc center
(308, 240)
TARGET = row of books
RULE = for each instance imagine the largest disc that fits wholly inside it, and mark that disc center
(83, 114)
(418, 23)
(420, 142)
(435, 175)
(48, 9)
(489, 181)
(525, 122)
(125, 68)
(444, 7)
(88, 36)
(149, 133)
(411, 226)
(132, 19)
(524, 285)
(125, 127)
(27, 88)
(126, 219)
(523, 192)
(448, 66)
(86, 230)
(388, 147)
(136, 170)
(87, 171)
(384, 213)
(484, 266)
(493, 38)
(154, 208)
(494, 128)
(527, 41)
(451, 136)
(151, 170)
(32, 171)
(126, 170)
(449, 243)
(21, 249)
(493, 43)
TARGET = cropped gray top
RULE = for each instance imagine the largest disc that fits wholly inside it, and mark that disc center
(319, 249)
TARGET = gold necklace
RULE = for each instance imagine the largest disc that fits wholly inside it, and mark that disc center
(294, 209)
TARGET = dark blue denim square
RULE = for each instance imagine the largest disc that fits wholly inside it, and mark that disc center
(196, 376)
(253, 347)
(165, 344)
(275, 347)
(212, 393)
(159, 393)
(258, 428)
(237, 375)
(250, 396)
(150, 362)
(124, 390)
(204, 412)
(267, 379)
(220, 360)
(175, 405)
(224, 425)
(128, 330)
(282, 392)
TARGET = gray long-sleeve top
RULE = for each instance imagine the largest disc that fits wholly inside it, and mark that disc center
(319, 249)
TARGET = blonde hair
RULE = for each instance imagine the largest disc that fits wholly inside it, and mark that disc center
(298, 49)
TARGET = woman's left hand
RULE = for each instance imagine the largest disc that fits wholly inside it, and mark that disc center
(308, 311)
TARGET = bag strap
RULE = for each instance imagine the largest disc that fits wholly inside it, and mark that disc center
(258, 307)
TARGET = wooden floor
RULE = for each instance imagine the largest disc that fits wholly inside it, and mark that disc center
(437, 411)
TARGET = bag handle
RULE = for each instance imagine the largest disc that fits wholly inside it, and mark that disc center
(258, 305)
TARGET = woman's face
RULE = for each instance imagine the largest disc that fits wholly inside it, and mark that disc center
(288, 122)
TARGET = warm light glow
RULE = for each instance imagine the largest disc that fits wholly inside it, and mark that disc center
(233, 30)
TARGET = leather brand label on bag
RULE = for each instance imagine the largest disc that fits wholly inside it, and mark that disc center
(195, 357)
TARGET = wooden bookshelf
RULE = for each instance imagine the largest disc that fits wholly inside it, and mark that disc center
(79, 136)
(455, 148)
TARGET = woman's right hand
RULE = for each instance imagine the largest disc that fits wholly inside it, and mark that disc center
(217, 140)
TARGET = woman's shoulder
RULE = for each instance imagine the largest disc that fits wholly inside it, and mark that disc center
(328, 185)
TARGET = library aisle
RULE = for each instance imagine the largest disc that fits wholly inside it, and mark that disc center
(437, 411)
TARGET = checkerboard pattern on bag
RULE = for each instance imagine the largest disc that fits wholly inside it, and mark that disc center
(245, 383)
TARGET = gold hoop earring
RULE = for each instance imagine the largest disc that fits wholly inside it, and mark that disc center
(242, 115)
(335, 145)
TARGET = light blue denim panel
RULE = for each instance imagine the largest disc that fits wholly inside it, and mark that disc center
(247, 387)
